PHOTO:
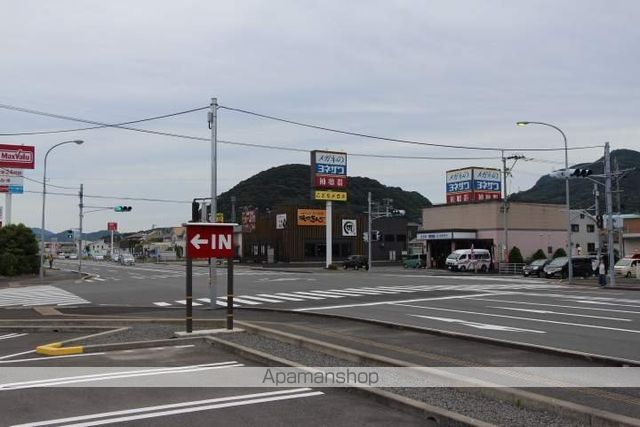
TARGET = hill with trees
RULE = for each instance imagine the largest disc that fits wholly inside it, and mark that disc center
(552, 190)
(291, 185)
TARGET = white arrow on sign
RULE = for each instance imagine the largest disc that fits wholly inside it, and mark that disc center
(479, 325)
(197, 241)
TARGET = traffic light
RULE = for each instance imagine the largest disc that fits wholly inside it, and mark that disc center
(375, 235)
(195, 211)
(581, 173)
(572, 173)
(122, 208)
(600, 221)
(69, 234)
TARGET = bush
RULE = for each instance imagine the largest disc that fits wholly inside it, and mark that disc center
(515, 256)
(539, 254)
(19, 253)
(559, 252)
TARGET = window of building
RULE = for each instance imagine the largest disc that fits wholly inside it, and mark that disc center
(549, 250)
(591, 228)
(591, 247)
(575, 228)
(581, 216)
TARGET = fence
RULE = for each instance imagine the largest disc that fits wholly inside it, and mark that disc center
(511, 268)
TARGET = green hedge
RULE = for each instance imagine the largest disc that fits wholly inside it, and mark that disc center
(19, 253)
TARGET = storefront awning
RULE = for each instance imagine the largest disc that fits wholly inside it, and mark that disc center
(446, 235)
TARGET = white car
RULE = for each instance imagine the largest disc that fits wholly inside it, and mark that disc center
(127, 259)
(626, 267)
(98, 257)
(62, 256)
(469, 260)
(73, 256)
(116, 258)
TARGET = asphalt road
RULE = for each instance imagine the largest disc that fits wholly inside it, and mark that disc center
(530, 311)
(29, 403)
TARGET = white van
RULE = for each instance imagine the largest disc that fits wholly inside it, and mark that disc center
(464, 260)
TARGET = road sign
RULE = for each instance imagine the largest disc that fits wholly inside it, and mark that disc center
(209, 240)
(349, 227)
(112, 226)
(219, 217)
(17, 156)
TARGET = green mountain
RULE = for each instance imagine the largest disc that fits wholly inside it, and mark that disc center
(62, 236)
(291, 185)
(552, 190)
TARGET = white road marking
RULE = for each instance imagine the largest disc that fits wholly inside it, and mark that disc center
(607, 303)
(184, 302)
(475, 278)
(555, 305)
(9, 336)
(368, 304)
(581, 325)
(298, 296)
(44, 359)
(245, 301)
(124, 374)
(152, 410)
(260, 299)
(38, 295)
(479, 325)
(281, 297)
(162, 304)
(529, 310)
(319, 294)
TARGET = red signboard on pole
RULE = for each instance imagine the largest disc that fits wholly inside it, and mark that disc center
(209, 240)
(112, 226)
(17, 156)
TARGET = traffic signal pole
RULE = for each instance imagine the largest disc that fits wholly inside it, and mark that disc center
(369, 236)
(213, 125)
(596, 194)
(81, 206)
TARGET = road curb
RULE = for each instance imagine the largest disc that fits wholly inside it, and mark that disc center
(58, 349)
(584, 414)
(132, 345)
(606, 360)
(438, 415)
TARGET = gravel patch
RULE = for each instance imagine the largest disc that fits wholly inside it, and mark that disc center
(457, 400)
(135, 333)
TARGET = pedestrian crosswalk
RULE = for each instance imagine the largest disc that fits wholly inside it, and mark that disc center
(38, 295)
(328, 294)
(136, 274)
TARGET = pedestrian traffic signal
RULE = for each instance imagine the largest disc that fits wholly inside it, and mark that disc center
(599, 221)
(581, 173)
(122, 208)
(195, 211)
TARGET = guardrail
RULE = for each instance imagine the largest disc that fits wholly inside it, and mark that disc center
(511, 268)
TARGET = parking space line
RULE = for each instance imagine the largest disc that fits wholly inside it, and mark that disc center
(555, 305)
(13, 335)
(182, 407)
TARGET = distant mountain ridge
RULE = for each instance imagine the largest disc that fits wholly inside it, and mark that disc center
(62, 236)
(291, 185)
(552, 190)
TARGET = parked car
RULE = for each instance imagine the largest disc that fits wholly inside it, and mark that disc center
(559, 267)
(415, 261)
(127, 259)
(98, 257)
(61, 255)
(73, 256)
(356, 262)
(626, 266)
(116, 258)
(469, 260)
(535, 268)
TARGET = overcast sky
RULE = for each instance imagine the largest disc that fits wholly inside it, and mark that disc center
(446, 72)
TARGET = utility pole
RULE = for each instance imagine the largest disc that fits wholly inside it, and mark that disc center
(596, 193)
(81, 206)
(505, 203)
(619, 206)
(7, 208)
(609, 207)
(213, 125)
(369, 235)
(233, 208)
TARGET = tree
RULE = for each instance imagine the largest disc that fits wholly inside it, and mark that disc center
(19, 253)
(559, 252)
(539, 254)
(515, 256)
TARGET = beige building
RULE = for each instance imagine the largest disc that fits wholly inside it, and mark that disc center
(531, 226)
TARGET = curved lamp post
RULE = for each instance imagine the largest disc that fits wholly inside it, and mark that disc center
(44, 193)
(566, 184)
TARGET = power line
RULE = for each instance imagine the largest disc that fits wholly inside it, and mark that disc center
(401, 141)
(195, 138)
(39, 182)
(99, 125)
(135, 199)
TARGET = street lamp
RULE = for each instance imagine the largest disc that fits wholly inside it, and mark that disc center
(44, 192)
(566, 185)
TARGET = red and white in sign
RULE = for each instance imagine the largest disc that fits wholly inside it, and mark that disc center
(209, 240)
(17, 156)
(112, 226)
